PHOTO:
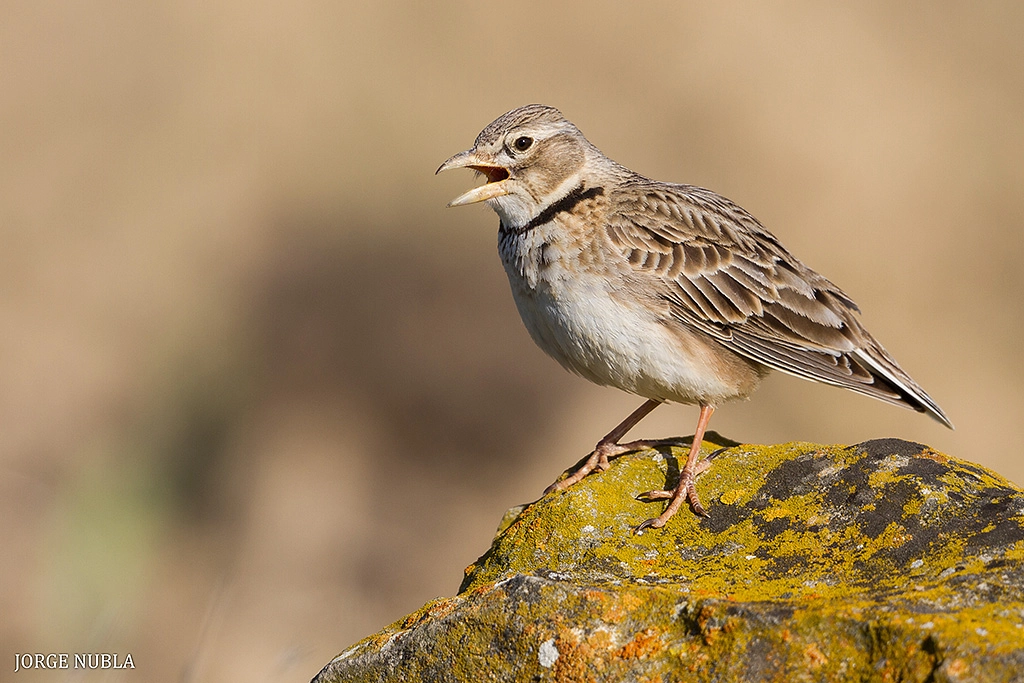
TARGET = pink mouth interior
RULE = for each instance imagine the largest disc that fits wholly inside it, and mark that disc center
(494, 173)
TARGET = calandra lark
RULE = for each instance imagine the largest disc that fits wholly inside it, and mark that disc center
(670, 292)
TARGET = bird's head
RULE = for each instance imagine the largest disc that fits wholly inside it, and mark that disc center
(528, 156)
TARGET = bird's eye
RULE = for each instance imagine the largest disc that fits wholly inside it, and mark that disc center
(522, 144)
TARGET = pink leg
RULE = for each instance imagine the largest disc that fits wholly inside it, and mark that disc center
(686, 490)
(608, 447)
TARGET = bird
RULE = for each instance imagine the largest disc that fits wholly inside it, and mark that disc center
(667, 291)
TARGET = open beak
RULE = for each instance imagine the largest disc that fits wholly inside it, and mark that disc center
(496, 177)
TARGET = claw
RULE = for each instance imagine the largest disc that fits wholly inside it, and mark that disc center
(647, 524)
(654, 495)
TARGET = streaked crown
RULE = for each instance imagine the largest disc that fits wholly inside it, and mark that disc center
(538, 117)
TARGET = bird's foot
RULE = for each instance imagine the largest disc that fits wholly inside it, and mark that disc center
(600, 459)
(685, 491)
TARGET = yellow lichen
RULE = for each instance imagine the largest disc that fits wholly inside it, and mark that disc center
(733, 496)
(835, 568)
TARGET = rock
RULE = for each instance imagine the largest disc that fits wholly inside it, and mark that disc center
(884, 561)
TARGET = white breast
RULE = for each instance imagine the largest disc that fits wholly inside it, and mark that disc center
(577, 317)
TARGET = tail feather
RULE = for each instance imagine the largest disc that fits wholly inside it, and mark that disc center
(906, 391)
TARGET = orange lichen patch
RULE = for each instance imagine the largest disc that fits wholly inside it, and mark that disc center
(706, 614)
(600, 639)
(957, 667)
(617, 610)
(647, 642)
(442, 608)
(814, 657)
(933, 455)
(574, 660)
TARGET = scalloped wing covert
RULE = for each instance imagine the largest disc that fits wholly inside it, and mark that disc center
(725, 275)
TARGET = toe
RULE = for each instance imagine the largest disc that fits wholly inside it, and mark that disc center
(694, 500)
(653, 523)
(655, 495)
(557, 486)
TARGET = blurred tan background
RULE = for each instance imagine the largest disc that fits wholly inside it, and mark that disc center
(263, 394)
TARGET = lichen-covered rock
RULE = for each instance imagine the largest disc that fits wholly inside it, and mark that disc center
(884, 561)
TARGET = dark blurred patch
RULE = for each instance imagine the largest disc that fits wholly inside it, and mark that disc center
(426, 341)
(422, 345)
(191, 425)
(195, 457)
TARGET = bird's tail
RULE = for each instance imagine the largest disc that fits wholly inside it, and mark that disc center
(894, 385)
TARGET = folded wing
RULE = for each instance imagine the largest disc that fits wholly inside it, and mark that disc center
(722, 273)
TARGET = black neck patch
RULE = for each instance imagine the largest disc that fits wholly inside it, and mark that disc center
(566, 203)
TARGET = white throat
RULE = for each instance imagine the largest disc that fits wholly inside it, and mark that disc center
(516, 210)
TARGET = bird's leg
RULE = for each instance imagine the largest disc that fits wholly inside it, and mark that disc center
(608, 447)
(686, 490)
